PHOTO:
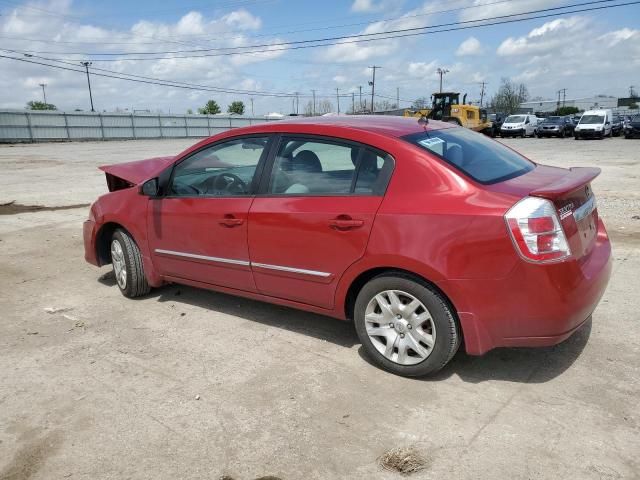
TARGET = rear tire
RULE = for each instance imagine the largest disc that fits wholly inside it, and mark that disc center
(127, 265)
(399, 336)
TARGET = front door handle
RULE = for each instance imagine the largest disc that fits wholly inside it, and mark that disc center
(345, 222)
(231, 221)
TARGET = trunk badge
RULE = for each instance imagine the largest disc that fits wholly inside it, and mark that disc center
(566, 211)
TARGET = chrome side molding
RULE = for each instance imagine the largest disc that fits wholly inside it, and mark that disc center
(245, 263)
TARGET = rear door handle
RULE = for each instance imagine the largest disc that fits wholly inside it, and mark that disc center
(231, 221)
(345, 223)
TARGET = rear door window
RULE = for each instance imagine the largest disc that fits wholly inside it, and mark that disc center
(477, 156)
(306, 166)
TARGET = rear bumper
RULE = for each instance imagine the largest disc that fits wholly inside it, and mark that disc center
(535, 305)
(89, 232)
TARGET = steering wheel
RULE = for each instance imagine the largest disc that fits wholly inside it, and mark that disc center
(229, 182)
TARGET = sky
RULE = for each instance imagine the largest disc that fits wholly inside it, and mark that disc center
(588, 53)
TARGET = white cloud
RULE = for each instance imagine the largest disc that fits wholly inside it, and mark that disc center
(67, 89)
(551, 35)
(356, 52)
(243, 20)
(372, 6)
(422, 69)
(491, 8)
(547, 60)
(471, 46)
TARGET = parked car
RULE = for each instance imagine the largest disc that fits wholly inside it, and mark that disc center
(632, 129)
(594, 124)
(422, 233)
(616, 126)
(496, 119)
(555, 127)
(519, 126)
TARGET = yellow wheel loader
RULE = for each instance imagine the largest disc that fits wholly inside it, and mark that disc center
(447, 107)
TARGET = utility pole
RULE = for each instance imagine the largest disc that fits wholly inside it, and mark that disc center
(397, 97)
(558, 103)
(482, 92)
(632, 92)
(564, 96)
(251, 100)
(373, 85)
(44, 94)
(86, 66)
(353, 103)
(338, 98)
(313, 111)
(360, 107)
(297, 102)
(441, 72)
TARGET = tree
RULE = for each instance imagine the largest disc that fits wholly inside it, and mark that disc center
(509, 97)
(36, 105)
(308, 109)
(420, 103)
(567, 111)
(324, 106)
(189, 111)
(211, 108)
(383, 105)
(236, 107)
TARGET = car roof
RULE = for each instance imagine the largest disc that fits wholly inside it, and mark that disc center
(391, 126)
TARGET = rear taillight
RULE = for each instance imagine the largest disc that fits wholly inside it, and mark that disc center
(536, 230)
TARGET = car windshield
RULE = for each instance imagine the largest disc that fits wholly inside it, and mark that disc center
(591, 119)
(554, 120)
(515, 119)
(479, 157)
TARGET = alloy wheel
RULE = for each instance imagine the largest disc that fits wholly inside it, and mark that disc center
(400, 327)
(119, 265)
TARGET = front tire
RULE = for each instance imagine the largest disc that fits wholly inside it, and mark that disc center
(127, 265)
(405, 326)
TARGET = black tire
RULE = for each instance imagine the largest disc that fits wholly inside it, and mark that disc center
(447, 338)
(561, 134)
(135, 283)
(576, 137)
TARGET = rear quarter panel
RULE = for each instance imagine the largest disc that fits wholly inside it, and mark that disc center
(439, 224)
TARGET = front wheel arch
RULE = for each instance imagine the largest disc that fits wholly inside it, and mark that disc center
(103, 241)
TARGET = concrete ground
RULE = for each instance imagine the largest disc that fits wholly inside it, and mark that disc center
(191, 384)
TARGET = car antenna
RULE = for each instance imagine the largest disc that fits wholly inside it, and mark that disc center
(424, 121)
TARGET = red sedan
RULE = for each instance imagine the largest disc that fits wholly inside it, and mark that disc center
(426, 235)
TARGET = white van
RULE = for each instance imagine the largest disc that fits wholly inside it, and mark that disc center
(594, 124)
(519, 126)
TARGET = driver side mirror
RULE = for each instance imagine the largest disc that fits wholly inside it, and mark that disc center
(150, 188)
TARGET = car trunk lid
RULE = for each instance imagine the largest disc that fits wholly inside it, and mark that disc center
(570, 191)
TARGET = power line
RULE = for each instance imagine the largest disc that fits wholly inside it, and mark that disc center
(162, 82)
(242, 34)
(357, 38)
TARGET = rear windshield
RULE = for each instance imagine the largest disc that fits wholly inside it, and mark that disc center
(476, 155)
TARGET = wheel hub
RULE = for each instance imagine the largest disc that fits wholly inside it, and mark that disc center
(400, 327)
